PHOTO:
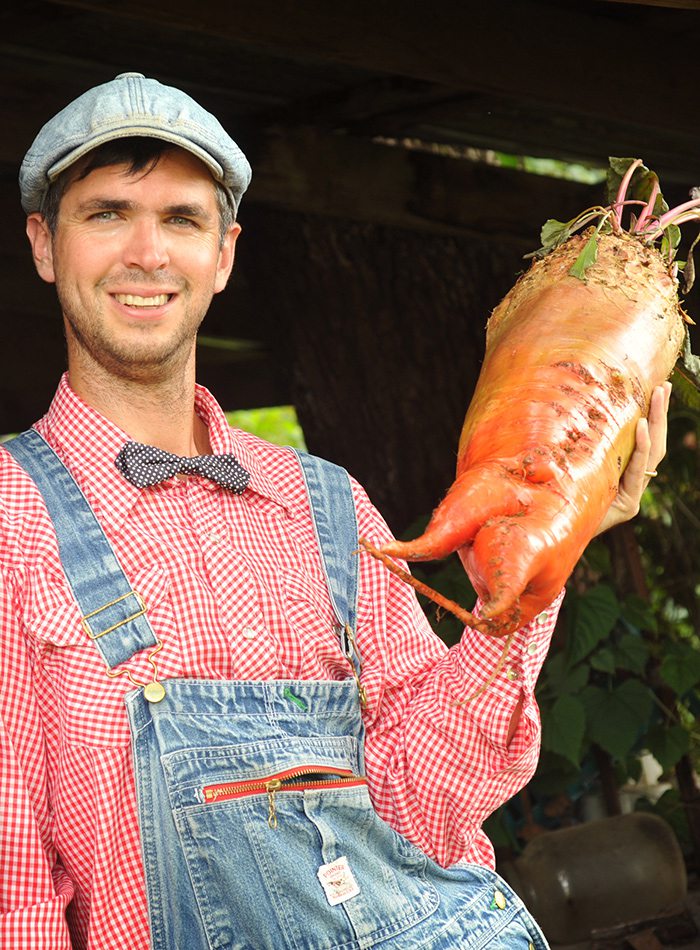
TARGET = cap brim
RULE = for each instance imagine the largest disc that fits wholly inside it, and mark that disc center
(141, 131)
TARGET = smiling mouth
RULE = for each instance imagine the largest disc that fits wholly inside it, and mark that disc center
(135, 300)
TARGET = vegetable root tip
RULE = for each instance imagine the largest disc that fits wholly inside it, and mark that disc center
(467, 618)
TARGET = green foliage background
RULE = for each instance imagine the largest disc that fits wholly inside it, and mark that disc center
(277, 424)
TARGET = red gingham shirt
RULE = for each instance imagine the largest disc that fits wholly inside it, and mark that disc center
(235, 590)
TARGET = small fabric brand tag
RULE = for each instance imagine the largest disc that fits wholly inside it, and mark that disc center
(338, 881)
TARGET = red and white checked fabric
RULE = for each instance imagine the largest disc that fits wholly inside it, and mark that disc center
(234, 590)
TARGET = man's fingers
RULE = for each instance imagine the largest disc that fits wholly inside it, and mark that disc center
(650, 446)
(649, 450)
(658, 424)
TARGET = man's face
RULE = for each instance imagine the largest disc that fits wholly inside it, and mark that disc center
(136, 260)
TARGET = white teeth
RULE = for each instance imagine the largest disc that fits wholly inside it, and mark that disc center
(134, 300)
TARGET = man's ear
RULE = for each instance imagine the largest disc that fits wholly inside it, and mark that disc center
(226, 256)
(42, 246)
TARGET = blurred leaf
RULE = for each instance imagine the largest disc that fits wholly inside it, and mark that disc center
(554, 233)
(616, 717)
(555, 774)
(506, 160)
(603, 660)
(242, 348)
(563, 730)
(640, 186)
(563, 679)
(277, 424)
(681, 669)
(689, 268)
(631, 653)
(617, 169)
(630, 768)
(593, 616)
(668, 744)
(670, 240)
(688, 365)
(597, 557)
(638, 612)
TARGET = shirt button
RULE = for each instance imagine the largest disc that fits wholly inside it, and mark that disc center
(532, 648)
(249, 633)
(542, 617)
(214, 537)
(513, 673)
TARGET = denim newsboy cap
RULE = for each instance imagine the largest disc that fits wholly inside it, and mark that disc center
(130, 105)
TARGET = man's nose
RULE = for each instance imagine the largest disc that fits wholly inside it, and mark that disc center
(147, 246)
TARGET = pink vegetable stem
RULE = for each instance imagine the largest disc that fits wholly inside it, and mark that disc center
(646, 213)
(622, 190)
(674, 213)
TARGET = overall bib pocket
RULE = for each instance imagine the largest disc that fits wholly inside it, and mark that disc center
(292, 818)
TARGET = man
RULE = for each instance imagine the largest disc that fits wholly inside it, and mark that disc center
(214, 734)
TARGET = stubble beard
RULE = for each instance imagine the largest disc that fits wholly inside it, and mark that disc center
(140, 358)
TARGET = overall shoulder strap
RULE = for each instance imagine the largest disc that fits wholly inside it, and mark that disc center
(113, 613)
(335, 523)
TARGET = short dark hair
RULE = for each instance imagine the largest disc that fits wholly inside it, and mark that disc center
(139, 154)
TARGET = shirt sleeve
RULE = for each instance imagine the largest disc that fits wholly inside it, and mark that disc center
(437, 721)
(34, 888)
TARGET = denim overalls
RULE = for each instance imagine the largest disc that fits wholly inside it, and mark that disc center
(257, 828)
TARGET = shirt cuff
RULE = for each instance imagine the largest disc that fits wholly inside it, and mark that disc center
(494, 680)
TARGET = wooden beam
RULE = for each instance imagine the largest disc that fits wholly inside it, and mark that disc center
(576, 58)
(341, 176)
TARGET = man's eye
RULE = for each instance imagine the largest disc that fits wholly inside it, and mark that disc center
(103, 216)
(182, 222)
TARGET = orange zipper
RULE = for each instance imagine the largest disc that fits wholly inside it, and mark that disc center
(290, 780)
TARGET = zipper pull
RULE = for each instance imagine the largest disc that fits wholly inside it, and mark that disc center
(272, 787)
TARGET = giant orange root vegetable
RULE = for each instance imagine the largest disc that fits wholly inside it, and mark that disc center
(573, 354)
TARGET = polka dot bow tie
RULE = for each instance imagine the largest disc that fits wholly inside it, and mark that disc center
(145, 465)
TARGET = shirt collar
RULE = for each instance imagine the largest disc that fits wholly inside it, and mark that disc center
(88, 443)
(249, 450)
